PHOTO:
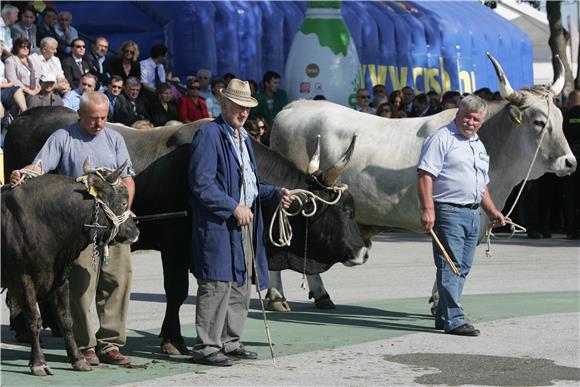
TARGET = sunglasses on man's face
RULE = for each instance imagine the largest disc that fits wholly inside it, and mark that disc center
(193, 87)
(79, 46)
(364, 96)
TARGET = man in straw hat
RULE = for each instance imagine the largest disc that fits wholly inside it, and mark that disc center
(227, 228)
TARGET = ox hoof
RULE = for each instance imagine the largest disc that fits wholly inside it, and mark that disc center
(323, 302)
(41, 370)
(82, 365)
(279, 304)
(169, 348)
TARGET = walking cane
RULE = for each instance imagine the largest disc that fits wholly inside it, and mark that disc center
(253, 253)
(447, 257)
(262, 302)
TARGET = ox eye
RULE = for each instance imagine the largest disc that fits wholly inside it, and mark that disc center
(539, 123)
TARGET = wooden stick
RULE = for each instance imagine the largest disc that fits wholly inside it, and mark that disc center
(269, 337)
(447, 257)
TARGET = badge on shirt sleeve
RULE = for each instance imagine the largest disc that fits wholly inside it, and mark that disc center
(484, 157)
(130, 171)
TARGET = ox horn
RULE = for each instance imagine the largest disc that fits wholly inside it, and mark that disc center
(331, 175)
(314, 164)
(505, 89)
(114, 176)
(87, 165)
(558, 84)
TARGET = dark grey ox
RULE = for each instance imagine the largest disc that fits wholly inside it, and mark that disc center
(382, 172)
(43, 231)
(160, 157)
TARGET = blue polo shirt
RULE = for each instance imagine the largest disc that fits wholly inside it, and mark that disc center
(66, 149)
(460, 165)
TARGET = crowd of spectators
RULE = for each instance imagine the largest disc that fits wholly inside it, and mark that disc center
(45, 62)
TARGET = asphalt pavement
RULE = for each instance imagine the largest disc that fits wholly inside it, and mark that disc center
(525, 299)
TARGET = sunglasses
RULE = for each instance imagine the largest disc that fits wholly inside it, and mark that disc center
(193, 87)
(79, 46)
(364, 96)
(115, 87)
(129, 51)
(25, 46)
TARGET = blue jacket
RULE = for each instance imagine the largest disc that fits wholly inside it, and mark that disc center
(215, 182)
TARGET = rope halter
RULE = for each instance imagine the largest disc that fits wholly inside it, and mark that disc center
(514, 227)
(115, 219)
(302, 196)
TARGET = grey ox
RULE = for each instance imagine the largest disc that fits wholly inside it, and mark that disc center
(382, 174)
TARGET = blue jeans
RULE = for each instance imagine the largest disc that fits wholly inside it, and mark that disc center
(458, 231)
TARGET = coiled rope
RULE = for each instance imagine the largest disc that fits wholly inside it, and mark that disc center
(281, 215)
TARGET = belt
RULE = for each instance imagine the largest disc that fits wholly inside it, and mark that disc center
(473, 206)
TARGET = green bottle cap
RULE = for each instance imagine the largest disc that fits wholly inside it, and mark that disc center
(324, 4)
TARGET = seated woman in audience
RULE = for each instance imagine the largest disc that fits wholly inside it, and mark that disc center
(163, 109)
(191, 107)
(256, 128)
(384, 110)
(18, 68)
(10, 95)
(396, 101)
(128, 64)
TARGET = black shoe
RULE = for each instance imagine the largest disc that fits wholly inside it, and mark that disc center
(439, 326)
(217, 359)
(324, 302)
(534, 235)
(242, 353)
(465, 330)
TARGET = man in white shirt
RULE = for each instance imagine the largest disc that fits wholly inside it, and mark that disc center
(9, 17)
(152, 70)
(46, 62)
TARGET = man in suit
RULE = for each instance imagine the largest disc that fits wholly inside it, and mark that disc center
(75, 66)
(100, 64)
(47, 28)
(26, 28)
(130, 106)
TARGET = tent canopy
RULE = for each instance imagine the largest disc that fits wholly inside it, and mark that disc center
(429, 45)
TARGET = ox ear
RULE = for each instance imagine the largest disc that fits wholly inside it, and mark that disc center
(314, 164)
(330, 176)
(516, 115)
(114, 176)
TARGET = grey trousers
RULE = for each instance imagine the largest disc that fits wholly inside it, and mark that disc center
(109, 289)
(222, 309)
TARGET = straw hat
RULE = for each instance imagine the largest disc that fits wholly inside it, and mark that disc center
(239, 92)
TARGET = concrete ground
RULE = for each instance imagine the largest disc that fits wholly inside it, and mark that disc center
(525, 300)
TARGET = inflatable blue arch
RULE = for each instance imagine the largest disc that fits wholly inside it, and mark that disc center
(429, 45)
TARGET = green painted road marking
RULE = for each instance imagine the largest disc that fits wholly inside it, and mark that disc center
(303, 330)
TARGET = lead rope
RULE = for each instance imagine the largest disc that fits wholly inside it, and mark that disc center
(285, 232)
(26, 174)
(514, 227)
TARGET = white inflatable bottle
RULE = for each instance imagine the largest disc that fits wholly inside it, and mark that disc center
(323, 58)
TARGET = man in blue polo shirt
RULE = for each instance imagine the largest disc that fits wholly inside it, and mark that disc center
(452, 178)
